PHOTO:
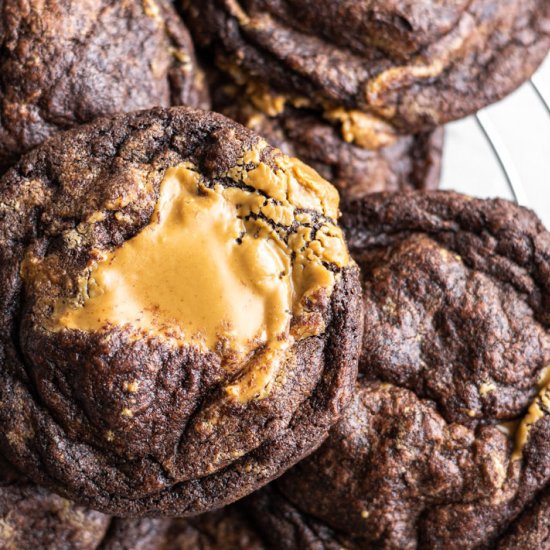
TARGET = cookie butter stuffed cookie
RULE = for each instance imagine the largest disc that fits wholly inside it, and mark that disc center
(379, 66)
(63, 63)
(447, 438)
(180, 319)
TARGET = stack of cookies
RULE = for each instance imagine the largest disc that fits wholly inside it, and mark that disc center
(265, 328)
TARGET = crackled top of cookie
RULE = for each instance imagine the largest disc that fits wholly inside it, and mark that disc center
(391, 464)
(446, 439)
(395, 473)
(65, 63)
(379, 67)
(224, 268)
(458, 287)
(396, 26)
(532, 529)
(180, 285)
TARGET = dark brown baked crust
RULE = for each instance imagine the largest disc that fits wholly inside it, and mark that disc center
(412, 162)
(455, 347)
(394, 474)
(225, 529)
(32, 517)
(458, 287)
(62, 392)
(285, 527)
(63, 63)
(413, 65)
(532, 530)
(390, 464)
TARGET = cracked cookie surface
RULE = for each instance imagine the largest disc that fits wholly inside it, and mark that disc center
(397, 67)
(33, 517)
(445, 442)
(532, 529)
(130, 410)
(65, 63)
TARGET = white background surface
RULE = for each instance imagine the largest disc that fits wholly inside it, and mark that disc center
(521, 127)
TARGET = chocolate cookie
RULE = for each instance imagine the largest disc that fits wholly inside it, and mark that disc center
(459, 287)
(412, 162)
(180, 320)
(63, 63)
(136, 534)
(284, 527)
(226, 529)
(447, 438)
(32, 517)
(380, 66)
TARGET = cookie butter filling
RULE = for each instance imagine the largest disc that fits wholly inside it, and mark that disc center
(538, 409)
(519, 430)
(193, 269)
(239, 270)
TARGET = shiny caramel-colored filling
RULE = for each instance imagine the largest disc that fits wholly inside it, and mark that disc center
(190, 271)
(519, 430)
(226, 268)
(538, 410)
(363, 129)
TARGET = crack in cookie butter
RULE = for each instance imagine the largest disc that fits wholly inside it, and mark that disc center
(237, 270)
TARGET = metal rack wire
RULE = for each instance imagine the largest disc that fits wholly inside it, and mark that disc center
(500, 148)
(542, 96)
(503, 157)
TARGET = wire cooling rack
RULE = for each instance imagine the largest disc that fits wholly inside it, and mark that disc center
(504, 150)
